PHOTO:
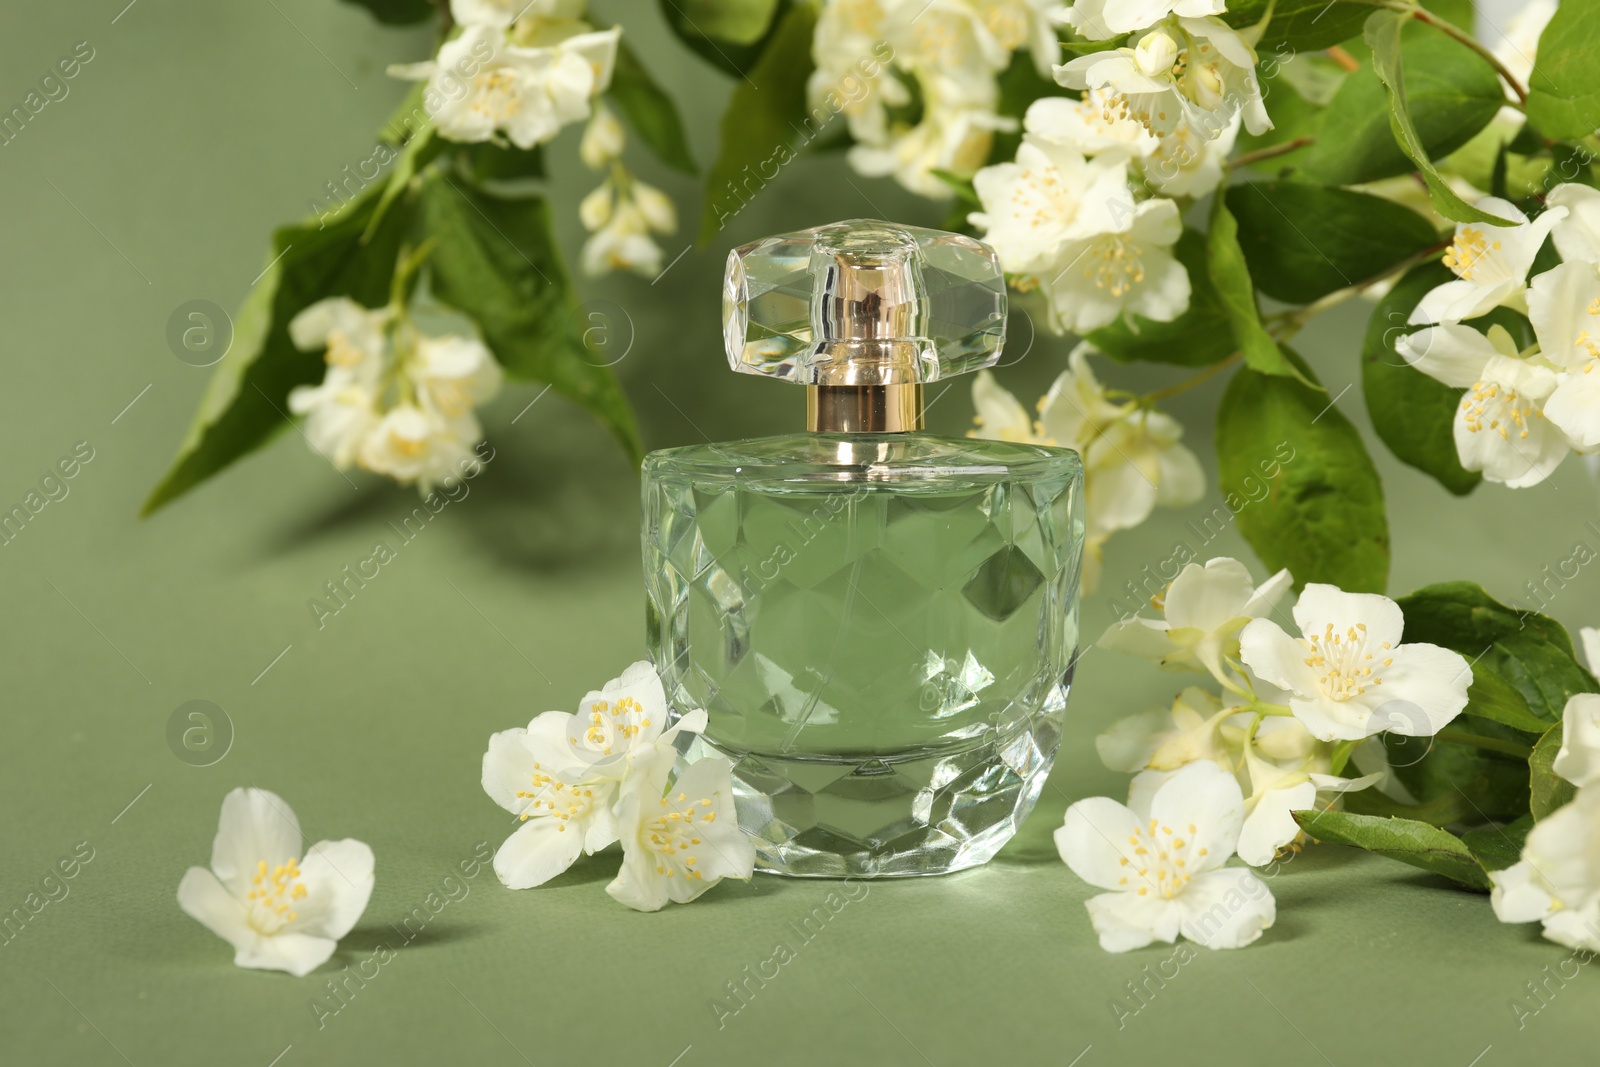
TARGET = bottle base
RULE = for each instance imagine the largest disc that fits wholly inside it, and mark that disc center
(900, 815)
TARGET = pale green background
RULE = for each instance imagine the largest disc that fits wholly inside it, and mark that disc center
(198, 127)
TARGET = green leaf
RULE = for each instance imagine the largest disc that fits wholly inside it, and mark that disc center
(487, 161)
(1547, 790)
(765, 114)
(497, 262)
(398, 12)
(730, 34)
(246, 402)
(1492, 697)
(1573, 163)
(1450, 94)
(1197, 338)
(1296, 474)
(650, 111)
(1304, 241)
(1236, 293)
(1498, 847)
(1530, 651)
(1298, 25)
(1382, 33)
(1416, 843)
(1412, 413)
(1564, 91)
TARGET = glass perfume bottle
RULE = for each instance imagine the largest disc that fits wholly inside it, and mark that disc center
(880, 622)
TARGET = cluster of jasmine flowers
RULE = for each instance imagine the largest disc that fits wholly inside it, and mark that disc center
(578, 783)
(518, 71)
(1133, 458)
(1221, 773)
(1525, 407)
(394, 401)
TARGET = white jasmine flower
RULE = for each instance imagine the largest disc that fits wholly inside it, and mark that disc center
(281, 908)
(852, 75)
(1133, 459)
(499, 13)
(1203, 609)
(1501, 426)
(1557, 881)
(1074, 223)
(624, 223)
(562, 775)
(1578, 759)
(1349, 677)
(1027, 24)
(1490, 263)
(949, 138)
(1197, 71)
(1166, 740)
(453, 375)
(1564, 307)
(1101, 20)
(1163, 866)
(480, 85)
(1519, 42)
(1098, 122)
(1577, 235)
(678, 842)
(418, 445)
(1277, 791)
(343, 409)
(1187, 162)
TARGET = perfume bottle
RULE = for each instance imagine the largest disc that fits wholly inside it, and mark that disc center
(879, 622)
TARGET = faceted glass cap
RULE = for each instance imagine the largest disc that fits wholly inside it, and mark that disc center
(863, 303)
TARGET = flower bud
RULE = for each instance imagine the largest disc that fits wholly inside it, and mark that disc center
(594, 210)
(602, 140)
(656, 207)
(1155, 53)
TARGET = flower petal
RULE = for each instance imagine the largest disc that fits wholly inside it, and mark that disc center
(299, 954)
(508, 769)
(204, 899)
(1127, 921)
(1275, 657)
(1578, 760)
(338, 879)
(1093, 840)
(1270, 826)
(1205, 800)
(1227, 908)
(255, 826)
(1424, 688)
(1130, 742)
(1334, 720)
(1520, 895)
(1376, 616)
(538, 851)
(1209, 596)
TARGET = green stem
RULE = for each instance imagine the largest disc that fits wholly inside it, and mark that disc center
(1188, 383)
(1291, 322)
(1271, 151)
(1451, 30)
(1489, 744)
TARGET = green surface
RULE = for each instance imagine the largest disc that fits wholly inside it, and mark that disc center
(197, 128)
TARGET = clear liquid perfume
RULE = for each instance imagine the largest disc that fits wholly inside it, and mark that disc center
(880, 622)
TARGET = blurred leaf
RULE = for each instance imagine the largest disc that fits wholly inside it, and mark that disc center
(1573, 163)
(765, 114)
(1383, 35)
(1304, 241)
(1498, 847)
(398, 12)
(730, 34)
(1450, 94)
(486, 161)
(497, 262)
(1412, 413)
(1298, 25)
(1322, 515)
(1197, 338)
(1237, 295)
(1416, 843)
(1564, 91)
(650, 111)
(1547, 791)
(246, 402)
